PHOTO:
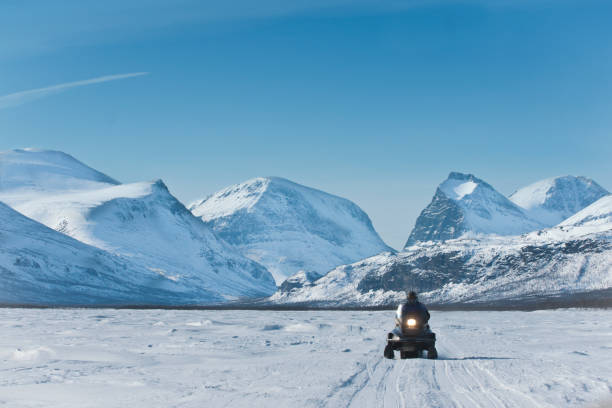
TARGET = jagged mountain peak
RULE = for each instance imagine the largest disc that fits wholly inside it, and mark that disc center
(465, 204)
(459, 185)
(457, 175)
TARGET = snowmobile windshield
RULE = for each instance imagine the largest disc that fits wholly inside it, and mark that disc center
(412, 316)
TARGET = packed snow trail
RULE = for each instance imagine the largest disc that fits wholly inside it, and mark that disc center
(169, 358)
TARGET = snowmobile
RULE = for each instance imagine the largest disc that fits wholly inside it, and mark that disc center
(411, 335)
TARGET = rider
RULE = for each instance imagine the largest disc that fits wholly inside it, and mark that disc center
(413, 306)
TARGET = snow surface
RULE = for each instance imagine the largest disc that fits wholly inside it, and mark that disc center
(39, 265)
(598, 214)
(595, 219)
(288, 227)
(457, 189)
(533, 195)
(231, 199)
(168, 358)
(552, 200)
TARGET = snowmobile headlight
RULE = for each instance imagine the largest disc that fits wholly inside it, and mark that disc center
(411, 322)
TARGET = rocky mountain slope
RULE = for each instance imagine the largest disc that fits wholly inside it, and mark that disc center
(462, 271)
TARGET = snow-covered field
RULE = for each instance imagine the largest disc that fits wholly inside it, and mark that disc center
(187, 358)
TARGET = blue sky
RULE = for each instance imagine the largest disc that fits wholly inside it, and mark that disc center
(374, 101)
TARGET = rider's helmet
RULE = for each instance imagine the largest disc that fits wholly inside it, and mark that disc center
(412, 296)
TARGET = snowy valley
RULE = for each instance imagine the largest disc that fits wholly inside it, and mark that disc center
(192, 358)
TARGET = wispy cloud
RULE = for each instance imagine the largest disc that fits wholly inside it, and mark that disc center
(19, 98)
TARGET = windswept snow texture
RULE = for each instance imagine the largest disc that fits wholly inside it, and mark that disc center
(464, 205)
(141, 222)
(192, 359)
(288, 227)
(40, 266)
(553, 200)
(26, 173)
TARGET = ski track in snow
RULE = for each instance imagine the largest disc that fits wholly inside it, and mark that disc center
(169, 358)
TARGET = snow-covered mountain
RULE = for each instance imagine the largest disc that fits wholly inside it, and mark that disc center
(464, 204)
(136, 243)
(288, 227)
(141, 222)
(552, 200)
(571, 258)
(39, 265)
